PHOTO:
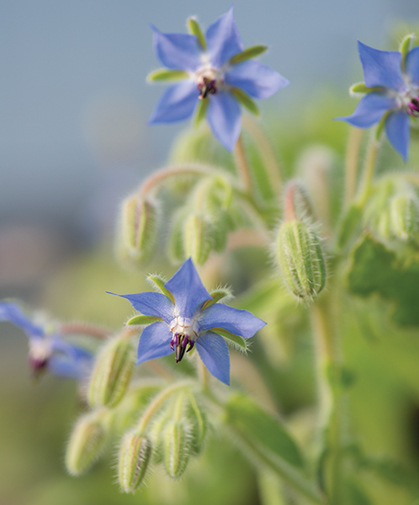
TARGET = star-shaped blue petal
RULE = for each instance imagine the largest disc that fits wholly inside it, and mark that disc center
(47, 350)
(191, 321)
(211, 76)
(393, 94)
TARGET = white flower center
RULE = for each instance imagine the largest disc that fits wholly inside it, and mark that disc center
(185, 331)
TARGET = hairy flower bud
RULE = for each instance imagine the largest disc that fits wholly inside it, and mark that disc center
(86, 443)
(197, 238)
(176, 447)
(301, 259)
(112, 372)
(134, 458)
(404, 217)
(138, 228)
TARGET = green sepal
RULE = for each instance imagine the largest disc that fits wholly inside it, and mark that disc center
(201, 112)
(360, 87)
(195, 29)
(245, 100)
(380, 126)
(217, 295)
(160, 282)
(164, 74)
(143, 320)
(230, 336)
(247, 54)
(405, 46)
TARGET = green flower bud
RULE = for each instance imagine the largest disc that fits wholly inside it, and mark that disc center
(197, 238)
(86, 443)
(138, 228)
(175, 243)
(199, 425)
(156, 435)
(176, 442)
(404, 217)
(134, 458)
(301, 259)
(112, 372)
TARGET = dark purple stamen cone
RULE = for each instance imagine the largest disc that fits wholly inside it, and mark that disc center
(414, 107)
(207, 87)
(38, 365)
(181, 344)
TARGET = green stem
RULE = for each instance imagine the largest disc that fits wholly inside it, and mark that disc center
(242, 165)
(351, 163)
(369, 168)
(332, 404)
(156, 404)
(154, 181)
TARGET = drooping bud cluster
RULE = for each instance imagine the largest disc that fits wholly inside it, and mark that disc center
(393, 211)
(298, 249)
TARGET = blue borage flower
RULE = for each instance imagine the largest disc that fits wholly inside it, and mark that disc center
(392, 87)
(187, 316)
(211, 75)
(47, 350)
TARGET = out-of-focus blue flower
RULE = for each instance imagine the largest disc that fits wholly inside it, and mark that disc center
(190, 320)
(392, 87)
(211, 75)
(47, 350)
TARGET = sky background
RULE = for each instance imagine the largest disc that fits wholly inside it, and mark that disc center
(73, 98)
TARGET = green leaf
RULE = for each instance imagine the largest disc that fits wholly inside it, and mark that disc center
(234, 338)
(163, 74)
(245, 100)
(247, 54)
(263, 428)
(143, 320)
(375, 269)
(201, 112)
(195, 29)
(160, 282)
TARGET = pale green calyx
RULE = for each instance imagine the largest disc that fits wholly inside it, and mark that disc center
(404, 217)
(87, 441)
(112, 372)
(300, 256)
(133, 461)
(176, 446)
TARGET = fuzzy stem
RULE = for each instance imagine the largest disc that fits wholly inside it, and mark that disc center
(242, 165)
(289, 207)
(369, 167)
(332, 405)
(351, 163)
(158, 178)
(156, 404)
(266, 152)
(84, 329)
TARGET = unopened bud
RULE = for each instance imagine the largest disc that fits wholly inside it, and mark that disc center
(112, 372)
(86, 443)
(404, 217)
(301, 259)
(138, 228)
(176, 448)
(134, 458)
(198, 430)
(197, 238)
